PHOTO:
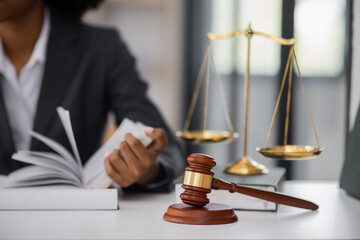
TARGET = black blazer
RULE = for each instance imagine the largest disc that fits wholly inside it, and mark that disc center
(90, 72)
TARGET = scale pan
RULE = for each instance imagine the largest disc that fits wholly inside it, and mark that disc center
(207, 136)
(290, 152)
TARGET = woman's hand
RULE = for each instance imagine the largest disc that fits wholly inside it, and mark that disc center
(133, 162)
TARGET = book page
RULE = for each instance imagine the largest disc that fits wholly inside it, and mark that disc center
(65, 120)
(57, 147)
(101, 180)
(48, 160)
(41, 183)
(53, 157)
(37, 176)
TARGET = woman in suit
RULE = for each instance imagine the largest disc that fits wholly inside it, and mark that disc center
(48, 58)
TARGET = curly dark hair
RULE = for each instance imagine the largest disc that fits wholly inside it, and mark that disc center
(72, 9)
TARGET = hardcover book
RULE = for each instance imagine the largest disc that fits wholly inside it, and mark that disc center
(58, 180)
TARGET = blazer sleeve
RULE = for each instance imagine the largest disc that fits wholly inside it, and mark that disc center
(127, 97)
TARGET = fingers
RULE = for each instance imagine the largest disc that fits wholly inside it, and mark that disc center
(117, 169)
(136, 147)
(132, 160)
(112, 172)
(116, 160)
(128, 149)
(160, 140)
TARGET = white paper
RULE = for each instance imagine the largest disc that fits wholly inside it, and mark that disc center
(65, 120)
(57, 148)
(50, 157)
(46, 161)
(36, 176)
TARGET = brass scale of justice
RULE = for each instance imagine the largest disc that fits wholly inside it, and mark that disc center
(246, 165)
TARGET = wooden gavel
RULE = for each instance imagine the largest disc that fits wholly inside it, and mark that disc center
(198, 182)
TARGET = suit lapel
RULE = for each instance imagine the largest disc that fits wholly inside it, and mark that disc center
(5, 133)
(62, 58)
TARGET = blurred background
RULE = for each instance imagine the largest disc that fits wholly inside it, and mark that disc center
(168, 39)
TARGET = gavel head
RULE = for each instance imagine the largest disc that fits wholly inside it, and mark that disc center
(197, 180)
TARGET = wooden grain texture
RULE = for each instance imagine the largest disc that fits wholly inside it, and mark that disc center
(196, 196)
(211, 214)
(200, 163)
(266, 195)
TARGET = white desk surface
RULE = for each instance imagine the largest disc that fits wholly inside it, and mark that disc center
(140, 217)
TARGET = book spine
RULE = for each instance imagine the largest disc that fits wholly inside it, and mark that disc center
(58, 199)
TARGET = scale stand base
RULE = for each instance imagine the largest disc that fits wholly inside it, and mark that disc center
(211, 214)
(246, 166)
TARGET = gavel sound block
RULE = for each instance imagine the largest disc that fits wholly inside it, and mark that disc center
(198, 182)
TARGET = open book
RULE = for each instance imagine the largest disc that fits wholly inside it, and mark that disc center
(63, 168)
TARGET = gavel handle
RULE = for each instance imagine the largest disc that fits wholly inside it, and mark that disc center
(265, 195)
